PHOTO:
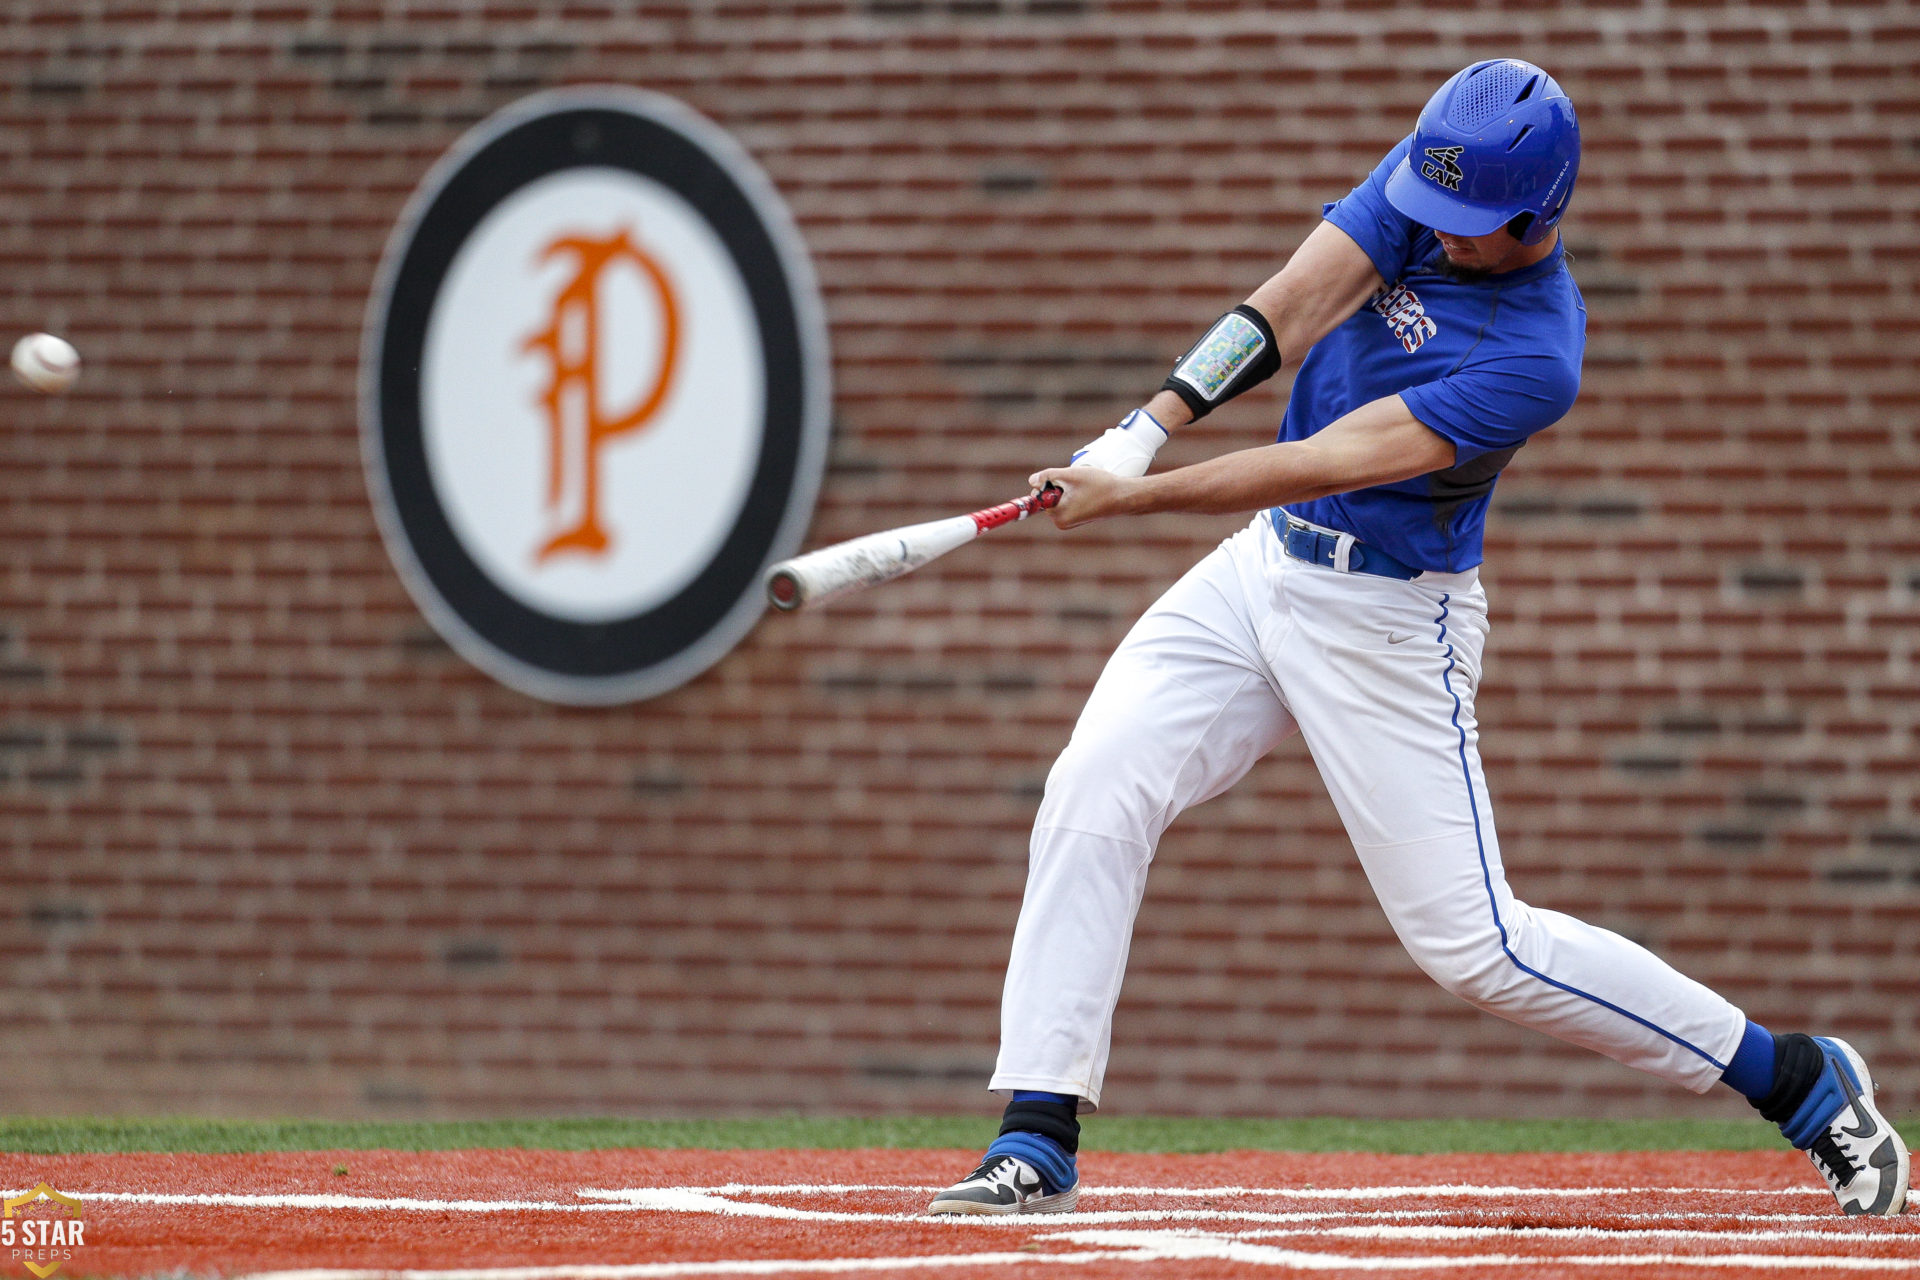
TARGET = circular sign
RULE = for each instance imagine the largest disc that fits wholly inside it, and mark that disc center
(594, 396)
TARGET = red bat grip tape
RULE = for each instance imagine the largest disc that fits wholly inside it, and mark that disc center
(1018, 509)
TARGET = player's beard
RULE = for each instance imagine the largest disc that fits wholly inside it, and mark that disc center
(1446, 266)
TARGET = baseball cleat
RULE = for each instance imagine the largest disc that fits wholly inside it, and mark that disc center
(1004, 1184)
(1862, 1159)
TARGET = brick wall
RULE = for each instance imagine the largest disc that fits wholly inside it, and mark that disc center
(270, 847)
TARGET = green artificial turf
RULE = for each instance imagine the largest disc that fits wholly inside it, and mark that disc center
(55, 1134)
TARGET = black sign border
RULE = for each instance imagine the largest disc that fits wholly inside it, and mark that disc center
(649, 652)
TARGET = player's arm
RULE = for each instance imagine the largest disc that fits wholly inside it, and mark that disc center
(1378, 443)
(1326, 280)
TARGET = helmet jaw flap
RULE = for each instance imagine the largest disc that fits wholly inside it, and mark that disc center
(1497, 146)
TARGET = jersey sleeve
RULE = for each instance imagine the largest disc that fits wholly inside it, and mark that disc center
(1376, 226)
(1496, 404)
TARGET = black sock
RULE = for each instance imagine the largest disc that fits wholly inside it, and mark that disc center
(1054, 1120)
(1797, 1064)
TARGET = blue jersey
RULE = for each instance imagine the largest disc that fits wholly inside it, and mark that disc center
(1485, 364)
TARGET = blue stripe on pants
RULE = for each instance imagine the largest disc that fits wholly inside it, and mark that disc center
(1486, 875)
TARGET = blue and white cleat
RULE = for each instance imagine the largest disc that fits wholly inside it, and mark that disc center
(1005, 1184)
(1849, 1141)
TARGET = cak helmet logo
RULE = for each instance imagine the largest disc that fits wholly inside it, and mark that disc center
(1443, 166)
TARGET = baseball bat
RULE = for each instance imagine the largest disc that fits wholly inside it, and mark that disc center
(881, 557)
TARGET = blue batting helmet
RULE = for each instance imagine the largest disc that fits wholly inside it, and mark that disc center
(1498, 142)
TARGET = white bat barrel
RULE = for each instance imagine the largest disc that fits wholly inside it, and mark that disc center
(863, 562)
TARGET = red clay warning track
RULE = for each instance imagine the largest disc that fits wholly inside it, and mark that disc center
(611, 1215)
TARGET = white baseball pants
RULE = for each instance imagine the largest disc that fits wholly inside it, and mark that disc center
(1378, 676)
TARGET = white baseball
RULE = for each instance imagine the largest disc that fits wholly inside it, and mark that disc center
(45, 363)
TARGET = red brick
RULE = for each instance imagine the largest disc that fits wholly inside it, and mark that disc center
(304, 813)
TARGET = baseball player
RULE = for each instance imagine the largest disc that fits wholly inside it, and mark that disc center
(1435, 328)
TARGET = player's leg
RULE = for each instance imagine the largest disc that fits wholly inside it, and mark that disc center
(1183, 709)
(1382, 677)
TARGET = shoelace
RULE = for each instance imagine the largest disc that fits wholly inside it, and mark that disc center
(988, 1165)
(1840, 1165)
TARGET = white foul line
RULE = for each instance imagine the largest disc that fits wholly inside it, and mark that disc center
(1422, 1231)
(1469, 1189)
(1294, 1193)
(718, 1201)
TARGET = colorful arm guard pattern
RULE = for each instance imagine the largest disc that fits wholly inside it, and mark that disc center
(1238, 352)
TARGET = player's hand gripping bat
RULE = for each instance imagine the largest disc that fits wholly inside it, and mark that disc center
(882, 557)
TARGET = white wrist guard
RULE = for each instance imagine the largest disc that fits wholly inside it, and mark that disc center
(1125, 450)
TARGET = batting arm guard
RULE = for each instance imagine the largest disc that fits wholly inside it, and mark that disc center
(1237, 353)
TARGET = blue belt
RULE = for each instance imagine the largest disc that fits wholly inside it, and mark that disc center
(1309, 544)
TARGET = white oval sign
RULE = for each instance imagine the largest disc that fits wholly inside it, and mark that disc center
(595, 394)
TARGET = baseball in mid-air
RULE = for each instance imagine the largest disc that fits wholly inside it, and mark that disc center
(45, 363)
